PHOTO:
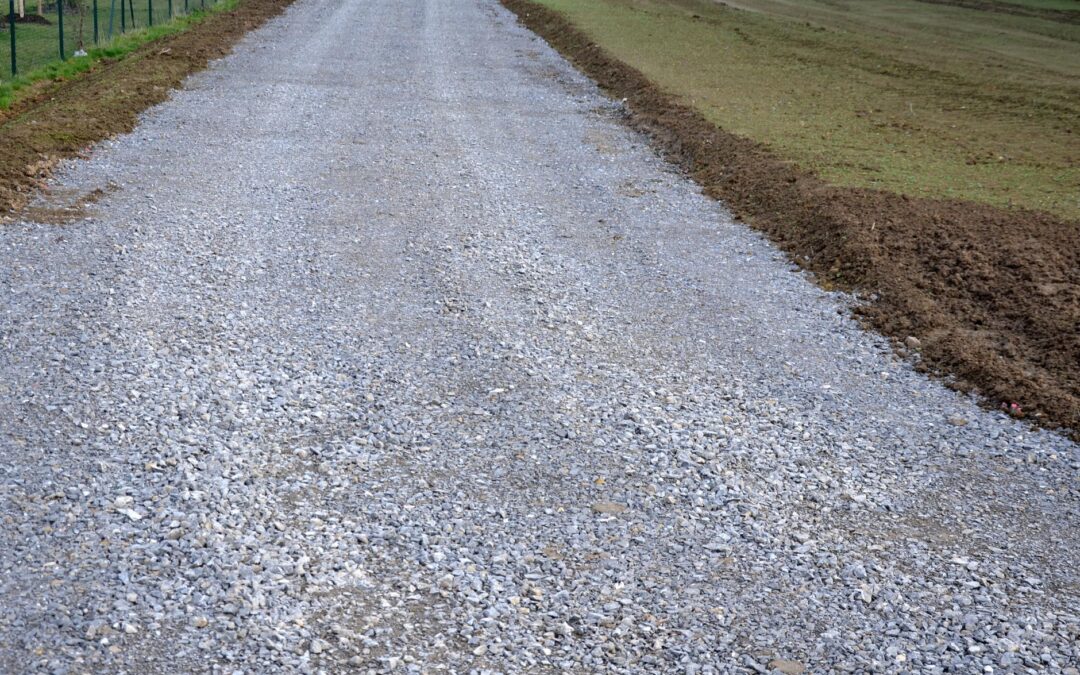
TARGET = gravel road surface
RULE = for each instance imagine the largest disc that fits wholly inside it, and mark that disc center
(389, 348)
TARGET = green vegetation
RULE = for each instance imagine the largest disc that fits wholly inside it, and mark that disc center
(40, 43)
(922, 99)
(37, 37)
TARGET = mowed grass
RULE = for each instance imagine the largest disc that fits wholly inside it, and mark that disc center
(917, 98)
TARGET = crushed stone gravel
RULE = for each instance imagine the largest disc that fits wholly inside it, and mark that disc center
(390, 349)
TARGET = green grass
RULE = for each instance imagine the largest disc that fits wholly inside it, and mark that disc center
(38, 45)
(917, 98)
(41, 45)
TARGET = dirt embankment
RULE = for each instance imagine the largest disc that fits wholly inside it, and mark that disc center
(991, 295)
(1062, 15)
(61, 119)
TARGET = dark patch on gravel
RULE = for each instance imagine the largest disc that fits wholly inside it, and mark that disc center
(60, 120)
(992, 295)
(65, 209)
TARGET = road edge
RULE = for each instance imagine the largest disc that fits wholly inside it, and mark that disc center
(958, 287)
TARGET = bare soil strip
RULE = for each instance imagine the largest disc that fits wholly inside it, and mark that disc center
(1063, 15)
(992, 296)
(63, 119)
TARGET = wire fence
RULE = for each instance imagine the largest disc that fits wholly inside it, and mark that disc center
(35, 33)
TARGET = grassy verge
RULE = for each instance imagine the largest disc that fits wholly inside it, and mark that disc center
(13, 89)
(37, 33)
(920, 99)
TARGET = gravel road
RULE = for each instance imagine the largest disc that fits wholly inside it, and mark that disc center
(389, 348)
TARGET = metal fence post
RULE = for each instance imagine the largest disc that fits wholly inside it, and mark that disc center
(95, 23)
(11, 27)
(123, 18)
(149, 12)
(60, 23)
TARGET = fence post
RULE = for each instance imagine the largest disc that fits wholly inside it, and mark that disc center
(11, 27)
(149, 12)
(170, 10)
(123, 18)
(60, 22)
(131, 13)
(95, 23)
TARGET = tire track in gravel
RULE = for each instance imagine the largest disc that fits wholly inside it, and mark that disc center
(422, 361)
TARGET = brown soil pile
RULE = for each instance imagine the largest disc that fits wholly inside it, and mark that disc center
(27, 18)
(61, 120)
(992, 295)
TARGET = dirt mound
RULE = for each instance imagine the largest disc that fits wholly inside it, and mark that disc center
(992, 296)
(62, 119)
(29, 18)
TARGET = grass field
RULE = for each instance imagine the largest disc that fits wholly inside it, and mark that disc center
(922, 99)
